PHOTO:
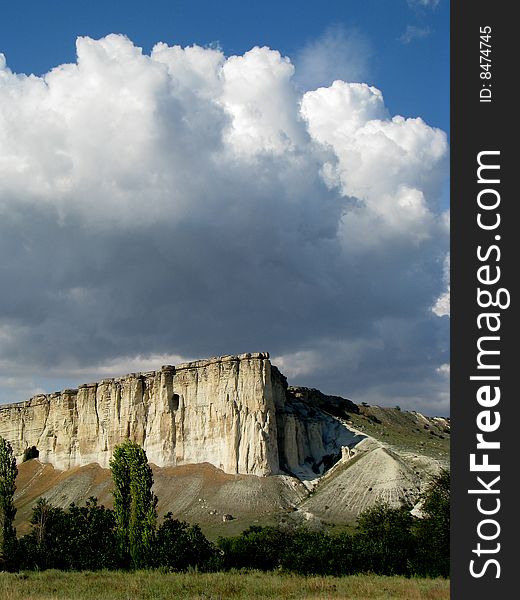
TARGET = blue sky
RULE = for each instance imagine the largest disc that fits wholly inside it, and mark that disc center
(218, 193)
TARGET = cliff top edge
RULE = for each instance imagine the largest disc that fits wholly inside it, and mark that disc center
(195, 364)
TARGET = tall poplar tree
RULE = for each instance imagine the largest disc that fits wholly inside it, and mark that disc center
(134, 503)
(8, 472)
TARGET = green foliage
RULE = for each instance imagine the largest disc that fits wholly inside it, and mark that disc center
(180, 546)
(92, 540)
(134, 504)
(256, 548)
(384, 543)
(8, 472)
(45, 547)
(307, 552)
(342, 559)
(297, 550)
(77, 538)
(433, 530)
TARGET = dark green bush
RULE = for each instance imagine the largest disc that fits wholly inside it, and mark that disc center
(308, 552)
(384, 543)
(76, 538)
(256, 548)
(180, 546)
(432, 532)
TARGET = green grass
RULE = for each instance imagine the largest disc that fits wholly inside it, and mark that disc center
(154, 585)
(403, 430)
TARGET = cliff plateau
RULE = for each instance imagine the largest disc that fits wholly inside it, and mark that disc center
(232, 412)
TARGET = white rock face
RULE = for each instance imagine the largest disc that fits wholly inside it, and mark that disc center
(232, 412)
(312, 439)
(220, 411)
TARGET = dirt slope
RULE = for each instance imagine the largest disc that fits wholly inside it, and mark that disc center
(195, 493)
(400, 453)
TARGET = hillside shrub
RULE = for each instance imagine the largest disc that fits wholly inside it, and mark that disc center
(384, 543)
(256, 548)
(180, 546)
(432, 532)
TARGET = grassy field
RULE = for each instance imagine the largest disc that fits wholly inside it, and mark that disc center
(153, 585)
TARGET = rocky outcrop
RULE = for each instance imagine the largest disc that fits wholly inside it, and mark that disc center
(313, 438)
(234, 412)
(220, 411)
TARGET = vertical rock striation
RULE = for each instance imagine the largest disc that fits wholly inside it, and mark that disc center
(232, 412)
(220, 411)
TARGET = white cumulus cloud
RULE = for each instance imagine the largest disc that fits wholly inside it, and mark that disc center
(339, 53)
(188, 203)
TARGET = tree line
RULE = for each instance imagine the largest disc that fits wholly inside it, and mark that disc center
(387, 540)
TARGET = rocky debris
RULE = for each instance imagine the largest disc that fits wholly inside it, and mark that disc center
(334, 405)
(227, 517)
(376, 474)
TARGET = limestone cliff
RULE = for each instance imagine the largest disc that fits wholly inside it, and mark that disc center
(220, 411)
(233, 412)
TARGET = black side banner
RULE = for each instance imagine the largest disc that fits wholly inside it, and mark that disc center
(484, 300)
